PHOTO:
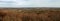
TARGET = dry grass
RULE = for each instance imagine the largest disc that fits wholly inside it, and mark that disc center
(30, 14)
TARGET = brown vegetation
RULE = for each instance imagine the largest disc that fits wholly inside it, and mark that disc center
(30, 14)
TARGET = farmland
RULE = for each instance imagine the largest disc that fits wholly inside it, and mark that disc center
(30, 14)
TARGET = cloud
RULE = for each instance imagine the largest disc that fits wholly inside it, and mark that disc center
(7, 3)
(30, 3)
(40, 3)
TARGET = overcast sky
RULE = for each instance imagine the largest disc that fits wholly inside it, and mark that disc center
(29, 3)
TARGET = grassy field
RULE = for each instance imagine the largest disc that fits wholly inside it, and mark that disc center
(30, 14)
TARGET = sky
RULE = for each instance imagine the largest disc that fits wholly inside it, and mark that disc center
(29, 3)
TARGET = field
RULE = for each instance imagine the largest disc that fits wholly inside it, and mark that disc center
(30, 14)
